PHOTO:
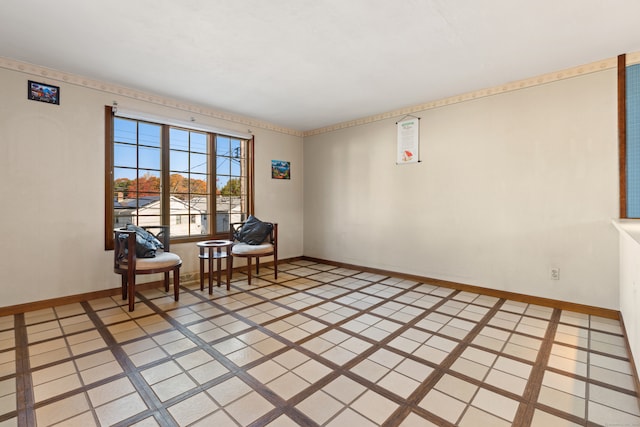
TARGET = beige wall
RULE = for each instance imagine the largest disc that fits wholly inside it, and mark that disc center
(52, 174)
(509, 186)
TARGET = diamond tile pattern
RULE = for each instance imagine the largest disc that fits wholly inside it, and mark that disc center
(322, 346)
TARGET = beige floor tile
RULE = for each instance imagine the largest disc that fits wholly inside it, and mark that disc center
(520, 352)
(565, 402)
(110, 391)
(370, 370)
(470, 369)
(479, 356)
(173, 386)
(442, 405)
(312, 371)
(544, 419)
(218, 418)
(506, 381)
(399, 384)
(62, 410)
(495, 404)
(244, 356)
(120, 409)
(288, 385)
(414, 420)
(443, 344)
(474, 417)
(614, 399)
(248, 408)
(60, 370)
(192, 409)
(228, 391)
(455, 387)
(608, 416)
(513, 367)
(55, 387)
(374, 406)
(101, 372)
(320, 407)
(8, 403)
(431, 354)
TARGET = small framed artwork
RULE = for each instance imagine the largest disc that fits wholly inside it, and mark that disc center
(43, 92)
(280, 169)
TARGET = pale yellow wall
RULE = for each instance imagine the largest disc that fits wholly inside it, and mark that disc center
(52, 174)
(509, 186)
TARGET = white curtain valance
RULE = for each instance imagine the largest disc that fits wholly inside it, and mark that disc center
(138, 115)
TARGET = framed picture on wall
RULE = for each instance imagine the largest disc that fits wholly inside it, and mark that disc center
(280, 169)
(43, 92)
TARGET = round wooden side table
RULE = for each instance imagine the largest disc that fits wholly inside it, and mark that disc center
(210, 250)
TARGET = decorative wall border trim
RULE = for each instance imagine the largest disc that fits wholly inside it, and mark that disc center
(36, 70)
(48, 73)
(496, 90)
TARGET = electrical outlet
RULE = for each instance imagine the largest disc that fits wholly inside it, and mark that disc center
(555, 273)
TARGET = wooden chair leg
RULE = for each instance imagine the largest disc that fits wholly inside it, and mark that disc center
(257, 266)
(176, 283)
(166, 281)
(249, 269)
(132, 290)
(123, 278)
(275, 266)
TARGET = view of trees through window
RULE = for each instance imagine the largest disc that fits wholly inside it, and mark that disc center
(192, 180)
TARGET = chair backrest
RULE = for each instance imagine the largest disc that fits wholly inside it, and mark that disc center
(124, 253)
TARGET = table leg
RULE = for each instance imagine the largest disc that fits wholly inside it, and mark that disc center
(228, 262)
(210, 271)
(219, 266)
(201, 269)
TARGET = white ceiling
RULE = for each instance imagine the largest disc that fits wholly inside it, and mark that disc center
(306, 64)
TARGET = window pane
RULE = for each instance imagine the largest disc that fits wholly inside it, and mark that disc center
(203, 225)
(199, 142)
(149, 158)
(179, 161)
(149, 134)
(223, 146)
(198, 163)
(125, 131)
(147, 220)
(119, 173)
(236, 147)
(178, 184)
(223, 165)
(178, 139)
(198, 184)
(124, 155)
(236, 167)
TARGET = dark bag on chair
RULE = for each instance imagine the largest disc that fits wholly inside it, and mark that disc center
(146, 243)
(253, 231)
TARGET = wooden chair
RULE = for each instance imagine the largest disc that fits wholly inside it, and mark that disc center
(128, 265)
(268, 247)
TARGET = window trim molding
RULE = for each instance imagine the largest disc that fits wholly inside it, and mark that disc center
(108, 178)
(622, 132)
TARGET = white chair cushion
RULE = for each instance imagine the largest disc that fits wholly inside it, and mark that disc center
(245, 249)
(161, 260)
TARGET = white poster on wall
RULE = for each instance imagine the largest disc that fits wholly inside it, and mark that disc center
(408, 140)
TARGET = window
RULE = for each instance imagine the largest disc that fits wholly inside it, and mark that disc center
(197, 181)
(631, 151)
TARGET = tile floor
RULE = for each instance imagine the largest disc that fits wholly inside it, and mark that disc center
(325, 346)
